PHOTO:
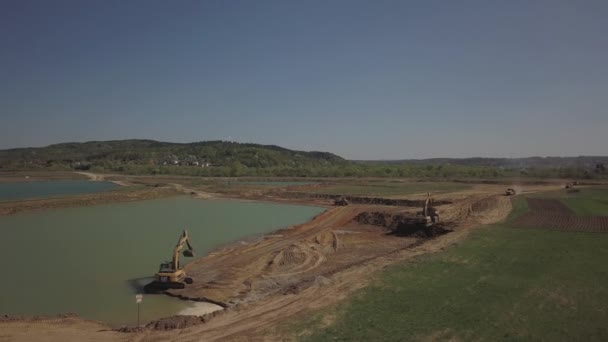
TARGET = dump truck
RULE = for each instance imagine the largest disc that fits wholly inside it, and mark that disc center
(510, 192)
(170, 274)
(340, 201)
(429, 215)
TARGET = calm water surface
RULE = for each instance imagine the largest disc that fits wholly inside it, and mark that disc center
(87, 260)
(23, 190)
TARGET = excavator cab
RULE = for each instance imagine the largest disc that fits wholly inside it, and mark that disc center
(166, 267)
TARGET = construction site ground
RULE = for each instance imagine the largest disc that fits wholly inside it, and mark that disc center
(291, 272)
(506, 281)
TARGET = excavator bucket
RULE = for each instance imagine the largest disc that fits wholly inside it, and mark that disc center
(188, 253)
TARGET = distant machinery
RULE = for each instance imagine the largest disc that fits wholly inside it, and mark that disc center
(429, 214)
(341, 201)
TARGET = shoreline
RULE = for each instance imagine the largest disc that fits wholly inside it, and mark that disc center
(83, 200)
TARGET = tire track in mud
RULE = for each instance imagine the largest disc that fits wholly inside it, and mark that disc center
(232, 274)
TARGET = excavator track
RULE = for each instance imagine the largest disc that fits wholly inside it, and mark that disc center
(158, 287)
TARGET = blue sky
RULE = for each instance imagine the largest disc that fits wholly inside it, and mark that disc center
(362, 79)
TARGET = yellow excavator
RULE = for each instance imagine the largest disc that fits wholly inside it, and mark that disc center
(429, 215)
(170, 275)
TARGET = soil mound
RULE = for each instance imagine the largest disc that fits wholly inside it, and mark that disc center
(402, 225)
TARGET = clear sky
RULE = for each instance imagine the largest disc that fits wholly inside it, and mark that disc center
(363, 79)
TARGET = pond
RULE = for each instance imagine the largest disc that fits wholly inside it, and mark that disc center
(86, 260)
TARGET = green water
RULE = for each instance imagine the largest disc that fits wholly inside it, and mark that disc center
(81, 259)
(23, 190)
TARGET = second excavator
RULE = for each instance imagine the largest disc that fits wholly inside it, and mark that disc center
(429, 215)
(170, 274)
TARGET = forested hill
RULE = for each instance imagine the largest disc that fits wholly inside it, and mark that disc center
(108, 154)
(222, 158)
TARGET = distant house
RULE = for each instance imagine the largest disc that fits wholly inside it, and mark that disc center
(81, 165)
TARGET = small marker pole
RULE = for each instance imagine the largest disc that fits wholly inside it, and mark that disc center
(138, 298)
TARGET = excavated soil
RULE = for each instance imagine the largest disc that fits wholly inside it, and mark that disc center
(402, 224)
(552, 214)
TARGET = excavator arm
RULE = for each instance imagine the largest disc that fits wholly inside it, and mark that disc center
(183, 241)
(425, 210)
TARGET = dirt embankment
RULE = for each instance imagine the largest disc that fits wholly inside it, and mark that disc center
(403, 224)
(358, 199)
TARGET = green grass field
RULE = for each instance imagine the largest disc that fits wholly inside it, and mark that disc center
(585, 201)
(588, 201)
(390, 188)
(502, 283)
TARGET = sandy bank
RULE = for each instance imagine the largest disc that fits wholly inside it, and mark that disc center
(200, 308)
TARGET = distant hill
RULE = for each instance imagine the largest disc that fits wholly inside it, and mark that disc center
(222, 158)
(150, 152)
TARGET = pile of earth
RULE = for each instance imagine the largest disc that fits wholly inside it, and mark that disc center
(402, 224)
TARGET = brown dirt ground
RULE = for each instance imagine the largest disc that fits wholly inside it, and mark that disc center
(291, 272)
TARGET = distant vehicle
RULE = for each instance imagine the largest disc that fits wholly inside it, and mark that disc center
(569, 185)
(429, 215)
(170, 275)
(341, 201)
(510, 192)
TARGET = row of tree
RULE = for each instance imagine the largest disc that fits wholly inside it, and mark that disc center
(237, 169)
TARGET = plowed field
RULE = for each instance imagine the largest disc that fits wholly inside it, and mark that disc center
(554, 215)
